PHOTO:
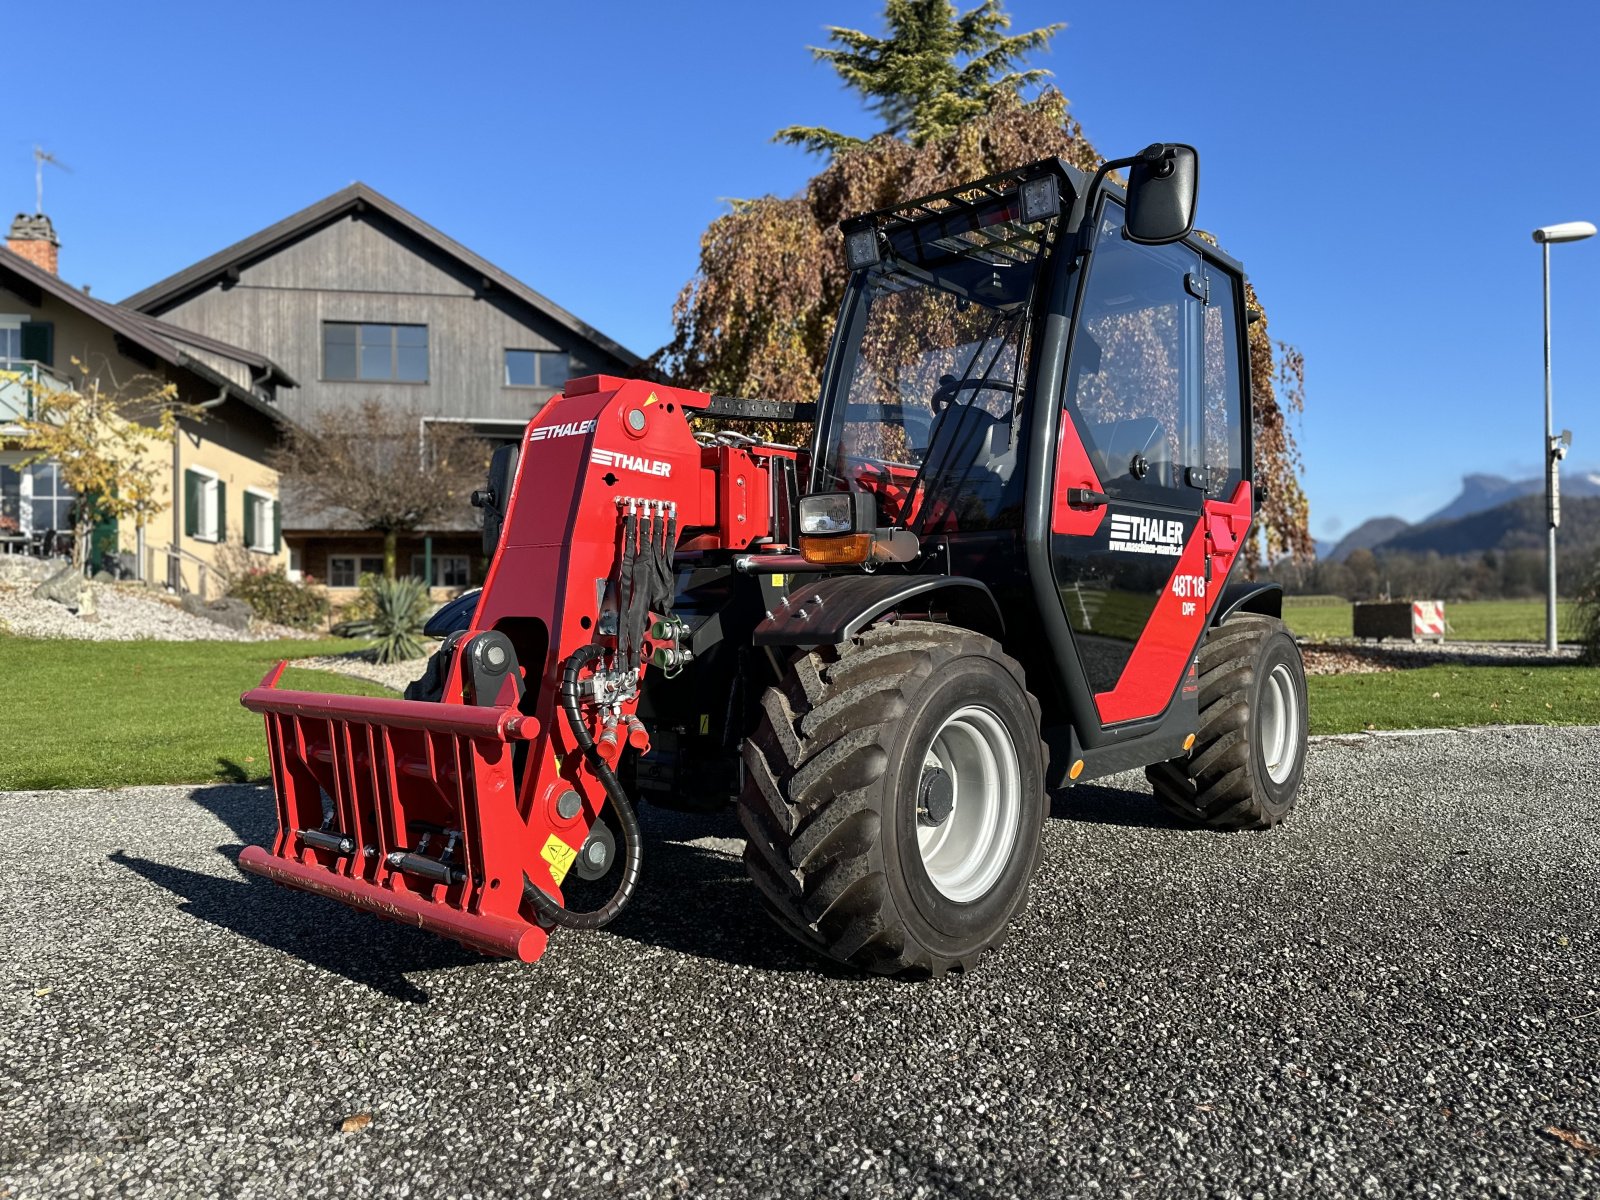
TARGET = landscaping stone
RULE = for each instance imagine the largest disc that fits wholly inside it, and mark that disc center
(227, 612)
(359, 664)
(127, 612)
(65, 587)
(22, 569)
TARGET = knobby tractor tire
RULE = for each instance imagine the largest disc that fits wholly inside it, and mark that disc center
(835, 774)
(1244, 769)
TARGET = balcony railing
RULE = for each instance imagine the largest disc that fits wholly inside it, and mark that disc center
(21, 380)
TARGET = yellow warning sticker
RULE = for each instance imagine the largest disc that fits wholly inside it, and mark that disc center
(705, 724)
(560, 856)
(650, 401)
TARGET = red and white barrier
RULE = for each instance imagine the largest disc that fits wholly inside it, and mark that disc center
(1427, 619)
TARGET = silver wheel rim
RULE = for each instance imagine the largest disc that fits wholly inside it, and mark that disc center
(1280, 723)
(965, 854)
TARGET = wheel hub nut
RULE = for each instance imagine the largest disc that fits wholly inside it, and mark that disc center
(936, 797)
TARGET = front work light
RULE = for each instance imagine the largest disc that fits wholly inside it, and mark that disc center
(1041, 199)
(836, 527)
(861, 249)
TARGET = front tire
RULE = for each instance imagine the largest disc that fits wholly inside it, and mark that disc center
(1244, 769)
(894, 798)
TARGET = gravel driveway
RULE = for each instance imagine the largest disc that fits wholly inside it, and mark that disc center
(1399, 993)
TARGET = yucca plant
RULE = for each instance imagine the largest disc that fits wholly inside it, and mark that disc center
(399, 610)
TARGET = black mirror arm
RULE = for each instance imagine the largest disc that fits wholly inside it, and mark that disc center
(1157, 154)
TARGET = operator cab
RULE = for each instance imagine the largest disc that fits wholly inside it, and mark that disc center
(927, 403)
(1040, 380)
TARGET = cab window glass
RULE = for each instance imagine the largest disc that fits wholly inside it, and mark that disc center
(1132, 377)
(1225, 403)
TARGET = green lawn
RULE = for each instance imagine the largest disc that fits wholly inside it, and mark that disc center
(1467, 621)
(104, 714)
(87, 714)
(1446, 696)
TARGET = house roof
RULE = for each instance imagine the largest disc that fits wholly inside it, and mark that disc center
(269, 371)
(358, 197)
(155, 338)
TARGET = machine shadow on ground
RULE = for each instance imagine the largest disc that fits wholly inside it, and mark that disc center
(694, 899)
(1095, 804)
(341, 941)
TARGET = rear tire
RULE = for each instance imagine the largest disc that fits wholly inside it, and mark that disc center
(894, 798)
(1244, 769)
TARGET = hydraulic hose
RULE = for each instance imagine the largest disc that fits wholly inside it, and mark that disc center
(631, 838)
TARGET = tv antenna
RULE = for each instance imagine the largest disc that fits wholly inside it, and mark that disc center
(40, 157)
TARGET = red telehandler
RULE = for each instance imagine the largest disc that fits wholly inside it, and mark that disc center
(1004, 562)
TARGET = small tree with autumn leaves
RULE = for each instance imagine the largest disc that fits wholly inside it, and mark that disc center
(109, 439)
(757, 317)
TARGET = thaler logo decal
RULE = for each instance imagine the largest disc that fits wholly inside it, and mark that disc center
(1146, 535)
(570, 429)
(629, 462)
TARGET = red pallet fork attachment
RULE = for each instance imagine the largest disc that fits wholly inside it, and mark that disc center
(405, 808)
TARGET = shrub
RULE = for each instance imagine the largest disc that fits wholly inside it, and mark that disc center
(400, 608)
(1587, 613)
(274, 597)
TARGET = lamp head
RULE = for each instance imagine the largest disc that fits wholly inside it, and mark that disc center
(1567, 231)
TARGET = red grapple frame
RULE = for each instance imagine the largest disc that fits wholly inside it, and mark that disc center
(413, 810)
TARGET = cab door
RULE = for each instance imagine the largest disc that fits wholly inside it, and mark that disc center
(1130, 542)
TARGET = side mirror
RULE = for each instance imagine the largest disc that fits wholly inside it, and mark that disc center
(496, 497)
(1162, 185)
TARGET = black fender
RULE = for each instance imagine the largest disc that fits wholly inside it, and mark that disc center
(453, 615)
(1250, 596)
(831, 610)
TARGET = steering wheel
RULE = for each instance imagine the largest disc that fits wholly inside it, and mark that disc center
(949, 386)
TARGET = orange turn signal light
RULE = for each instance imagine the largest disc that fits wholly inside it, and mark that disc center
(1077, 769)
(839, 549)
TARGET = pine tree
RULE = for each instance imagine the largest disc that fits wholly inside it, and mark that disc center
(756, 318)
(936, 70)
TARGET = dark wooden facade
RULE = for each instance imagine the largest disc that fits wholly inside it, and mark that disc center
(357, 257)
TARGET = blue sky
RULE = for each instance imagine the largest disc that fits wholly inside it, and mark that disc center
(1378, 167)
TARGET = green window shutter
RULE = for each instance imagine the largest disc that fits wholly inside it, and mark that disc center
(222, 512)
(191, 503)
(38, 342)
(250, 503)
(277, 527)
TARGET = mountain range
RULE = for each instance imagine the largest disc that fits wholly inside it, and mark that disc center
(1490, 513)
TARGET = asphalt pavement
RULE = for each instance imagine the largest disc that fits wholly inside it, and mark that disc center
(1398, 993)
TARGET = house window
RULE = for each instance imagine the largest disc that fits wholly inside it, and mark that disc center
(10, 500)
(449, 570)
(52, 501)
(261, 529)
(346, 570)
(22, 340)
(397, 353)
(205, 505)
(537, 368)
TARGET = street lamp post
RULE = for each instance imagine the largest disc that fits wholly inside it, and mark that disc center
(1555, 448)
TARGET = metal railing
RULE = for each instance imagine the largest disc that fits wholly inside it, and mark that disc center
(173, 572)
(21, 379)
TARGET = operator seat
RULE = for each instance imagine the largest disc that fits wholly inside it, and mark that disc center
(971, 456)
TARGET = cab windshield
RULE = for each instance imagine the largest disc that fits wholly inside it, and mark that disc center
(926, 408)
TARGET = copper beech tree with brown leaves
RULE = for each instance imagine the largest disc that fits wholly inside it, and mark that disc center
(384, 468)
(756, 318)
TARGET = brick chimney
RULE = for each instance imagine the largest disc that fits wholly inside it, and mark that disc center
(35, 239)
